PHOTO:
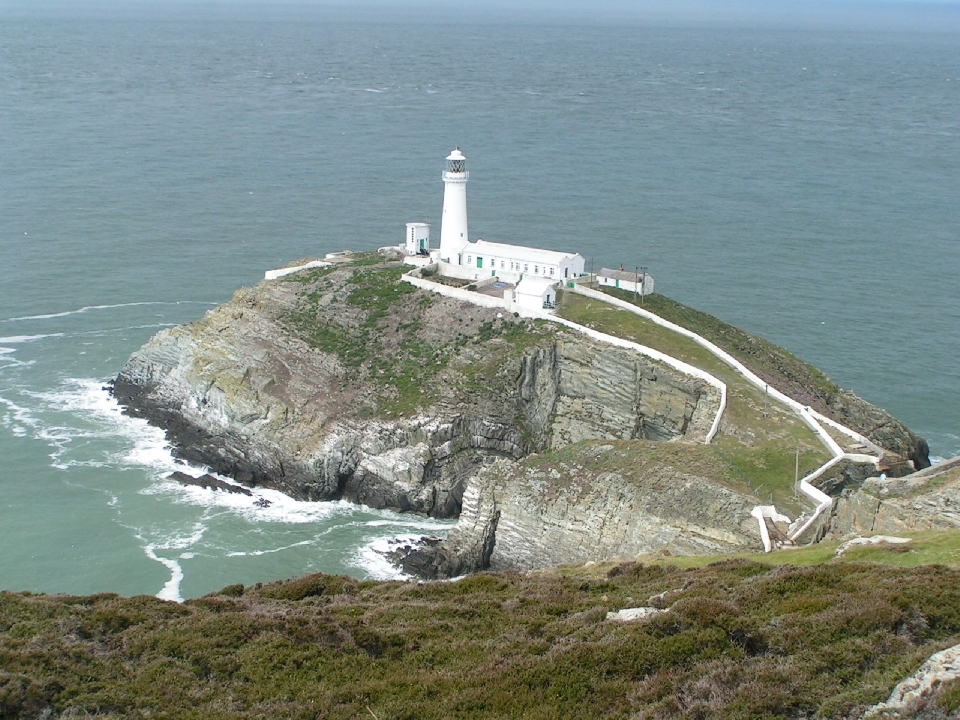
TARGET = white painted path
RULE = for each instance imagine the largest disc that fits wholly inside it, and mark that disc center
(812, 418)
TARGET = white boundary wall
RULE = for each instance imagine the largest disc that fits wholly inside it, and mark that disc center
(494, 302)
(810, 417)
(274, 274)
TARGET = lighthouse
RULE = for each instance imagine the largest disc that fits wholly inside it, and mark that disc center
(453, 223)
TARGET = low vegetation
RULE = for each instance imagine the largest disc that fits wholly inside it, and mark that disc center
(761, 444)
(387, 334)
(771, 362)
(740, 639)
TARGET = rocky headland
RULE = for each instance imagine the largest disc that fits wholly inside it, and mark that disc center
(550, 446)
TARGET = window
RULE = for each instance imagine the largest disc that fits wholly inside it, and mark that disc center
(469, 259)
(501, 264)
(536, 269)
(551, 271)
(526, 268)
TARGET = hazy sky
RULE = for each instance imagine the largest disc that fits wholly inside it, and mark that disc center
(929, 15)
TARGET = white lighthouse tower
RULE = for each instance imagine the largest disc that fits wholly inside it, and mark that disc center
(453, 224)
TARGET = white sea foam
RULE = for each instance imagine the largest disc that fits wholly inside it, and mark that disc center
(17, 339)
(20, 415)
(263, 506)
(88, 399)
(372, 557)
(136, 443)
(88, 308)
(171, 589)
(271, 551)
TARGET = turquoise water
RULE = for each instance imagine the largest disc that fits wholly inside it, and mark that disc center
(801, 184)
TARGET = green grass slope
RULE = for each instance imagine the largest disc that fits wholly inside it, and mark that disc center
(755, 450)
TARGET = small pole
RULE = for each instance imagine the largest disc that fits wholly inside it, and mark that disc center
(643, 283)
(636, 281)
(766, 390)
(796, 472)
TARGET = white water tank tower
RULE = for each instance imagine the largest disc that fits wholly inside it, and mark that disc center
(453, 225)
(418, 238)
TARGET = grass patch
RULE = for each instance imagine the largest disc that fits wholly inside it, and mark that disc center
(745, 402)
(759, 449)
(765, 471)
(932, 547)
(767, 360)
(382, 343)
(378, 327)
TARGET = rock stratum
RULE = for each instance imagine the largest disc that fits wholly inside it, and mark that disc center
(551, 447)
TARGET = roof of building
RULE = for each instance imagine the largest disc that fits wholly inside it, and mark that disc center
(518, 252)
(619, 274)
(534, 285)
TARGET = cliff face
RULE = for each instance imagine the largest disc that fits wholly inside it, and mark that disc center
(344, 383)
(576, 508)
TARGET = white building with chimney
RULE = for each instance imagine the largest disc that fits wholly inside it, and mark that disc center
(460, 258)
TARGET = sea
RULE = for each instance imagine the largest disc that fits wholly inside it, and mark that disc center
(802, 182)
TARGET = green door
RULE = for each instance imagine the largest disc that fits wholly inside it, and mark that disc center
(479, 262)
(618, 283)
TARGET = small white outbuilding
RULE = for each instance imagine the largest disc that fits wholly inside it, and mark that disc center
(417, 240)
(639, 282)
(536, 293)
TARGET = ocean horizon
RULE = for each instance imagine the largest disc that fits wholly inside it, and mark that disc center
(798, 181)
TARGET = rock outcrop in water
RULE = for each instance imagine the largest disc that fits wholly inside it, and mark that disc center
(343, 382)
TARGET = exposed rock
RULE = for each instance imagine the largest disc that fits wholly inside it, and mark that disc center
(874, 540)
(631, 614)
(910, 695)
(208, 481)
(927, 500)
(544, 518)
(880, 426)
(342, 382)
